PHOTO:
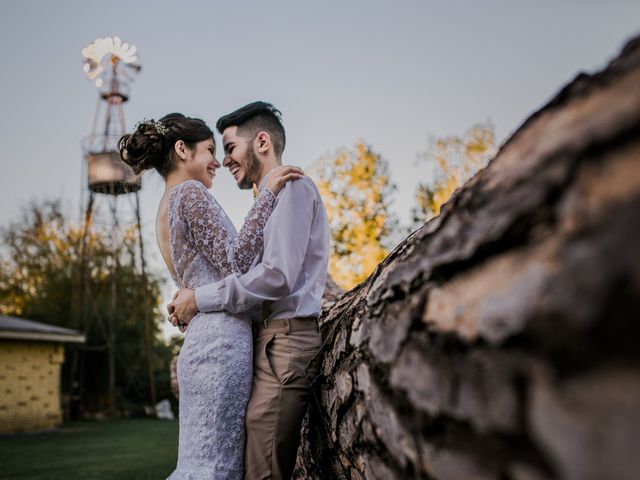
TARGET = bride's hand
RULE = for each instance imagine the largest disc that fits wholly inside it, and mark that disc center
(282, 175)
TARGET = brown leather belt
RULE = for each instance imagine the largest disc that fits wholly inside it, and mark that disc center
(290, 324)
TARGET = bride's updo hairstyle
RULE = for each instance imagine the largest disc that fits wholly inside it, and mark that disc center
(151, 144)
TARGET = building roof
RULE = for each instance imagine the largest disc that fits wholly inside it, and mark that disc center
(21, 329)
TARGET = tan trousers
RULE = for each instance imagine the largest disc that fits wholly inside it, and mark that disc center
(279, 397)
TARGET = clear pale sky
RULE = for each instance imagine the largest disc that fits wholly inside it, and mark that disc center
(388, 72)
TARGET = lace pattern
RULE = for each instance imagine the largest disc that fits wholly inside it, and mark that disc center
(215, 362)
(205, 225)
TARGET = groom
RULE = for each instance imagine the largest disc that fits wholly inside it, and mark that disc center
(286, 284)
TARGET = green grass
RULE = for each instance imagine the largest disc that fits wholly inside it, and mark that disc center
(120, 449)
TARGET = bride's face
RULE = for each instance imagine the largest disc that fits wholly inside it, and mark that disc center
(201, 163)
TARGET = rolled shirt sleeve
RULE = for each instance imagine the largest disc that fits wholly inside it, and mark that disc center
(286, 236)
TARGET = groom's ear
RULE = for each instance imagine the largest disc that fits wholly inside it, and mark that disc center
(263, 142)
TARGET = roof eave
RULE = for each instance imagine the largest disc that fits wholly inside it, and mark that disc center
(42, 336)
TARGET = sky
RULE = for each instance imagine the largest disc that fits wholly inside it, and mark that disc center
(391, 73)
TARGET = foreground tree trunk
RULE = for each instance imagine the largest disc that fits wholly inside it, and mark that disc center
(500, 341)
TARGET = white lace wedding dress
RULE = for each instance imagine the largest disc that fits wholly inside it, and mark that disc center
(215, 363)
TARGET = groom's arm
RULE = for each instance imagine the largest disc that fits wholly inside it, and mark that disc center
(286, 237)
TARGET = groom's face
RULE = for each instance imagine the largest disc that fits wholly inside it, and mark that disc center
(240, 158)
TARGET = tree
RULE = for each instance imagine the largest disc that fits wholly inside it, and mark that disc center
(454, 160)
(41, 280)
(500, 340)
(356, 189)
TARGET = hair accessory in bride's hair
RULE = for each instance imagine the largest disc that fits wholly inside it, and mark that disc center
(159, 127)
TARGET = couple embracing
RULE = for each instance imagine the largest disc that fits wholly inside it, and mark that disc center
(248, 301)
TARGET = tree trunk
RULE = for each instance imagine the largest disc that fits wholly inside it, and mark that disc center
(500, 340)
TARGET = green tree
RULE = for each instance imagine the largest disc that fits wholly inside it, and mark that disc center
(454, 160)
(356, 189)
(41, 279)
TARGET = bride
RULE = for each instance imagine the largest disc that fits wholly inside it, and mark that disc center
(200, 245)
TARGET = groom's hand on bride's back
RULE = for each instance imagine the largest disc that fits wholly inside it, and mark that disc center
(182, 308)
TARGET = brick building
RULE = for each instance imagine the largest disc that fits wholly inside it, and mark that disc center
(31, 357)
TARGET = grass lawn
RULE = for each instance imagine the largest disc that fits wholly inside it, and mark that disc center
(119, 449)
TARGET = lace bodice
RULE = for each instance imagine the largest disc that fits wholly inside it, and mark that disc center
(205, 246)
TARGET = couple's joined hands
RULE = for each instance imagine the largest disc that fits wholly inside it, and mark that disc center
(183, 307)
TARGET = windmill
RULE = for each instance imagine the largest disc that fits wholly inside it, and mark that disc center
(110, 64)
(110, 198)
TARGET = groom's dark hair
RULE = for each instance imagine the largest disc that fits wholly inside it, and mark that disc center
(255, 118)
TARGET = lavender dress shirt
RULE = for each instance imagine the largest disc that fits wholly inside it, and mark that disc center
(291, 273)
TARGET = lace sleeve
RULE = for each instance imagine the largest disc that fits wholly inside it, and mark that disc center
(250, 240)
(226, 251)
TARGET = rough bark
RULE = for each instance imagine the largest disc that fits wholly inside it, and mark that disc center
(500, 340)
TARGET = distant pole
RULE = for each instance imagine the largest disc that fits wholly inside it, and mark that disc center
(114, 308)
(147, 311)
(79, 304)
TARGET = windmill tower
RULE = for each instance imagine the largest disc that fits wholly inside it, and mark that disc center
(110, 197)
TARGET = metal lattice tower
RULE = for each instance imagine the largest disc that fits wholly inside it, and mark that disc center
(110, 201)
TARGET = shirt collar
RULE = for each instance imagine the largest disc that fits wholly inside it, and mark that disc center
(264, 180)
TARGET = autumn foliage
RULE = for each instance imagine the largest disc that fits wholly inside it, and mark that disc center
(454, 160)
(356, 188)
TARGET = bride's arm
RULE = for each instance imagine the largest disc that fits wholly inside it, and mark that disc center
(249, 241)
(226, 251)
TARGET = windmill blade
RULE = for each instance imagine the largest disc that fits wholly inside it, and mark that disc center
(134, 66)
